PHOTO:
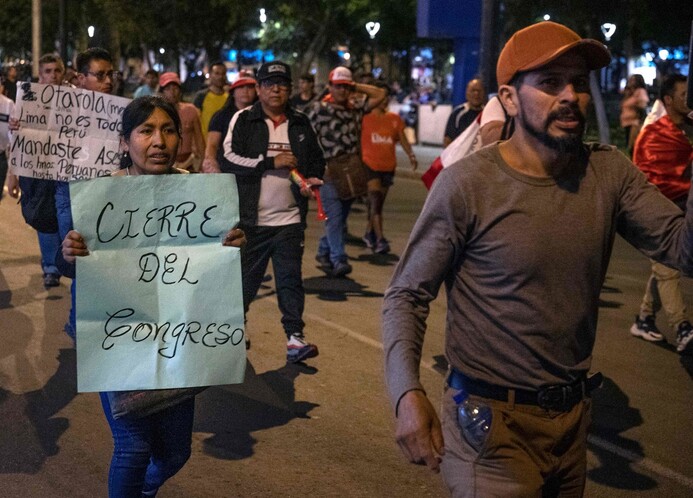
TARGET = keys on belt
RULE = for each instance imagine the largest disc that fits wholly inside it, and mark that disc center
(558, 397)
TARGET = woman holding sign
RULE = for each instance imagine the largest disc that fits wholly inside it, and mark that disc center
(148, 449)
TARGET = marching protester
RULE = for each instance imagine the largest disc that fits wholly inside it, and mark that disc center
(306, 92)
(242, 94)
(151, 82)
(521, 233)
(265, 146)
(192, 145)
(381, 130)
(38, 196)
(664, 153)
(337, 121)
(633, 108)
(464, 114)
(147, 450)
(212, 99)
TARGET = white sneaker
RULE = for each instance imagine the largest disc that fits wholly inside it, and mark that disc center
(646, 329)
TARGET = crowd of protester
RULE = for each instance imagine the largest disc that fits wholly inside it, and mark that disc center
(285, 150)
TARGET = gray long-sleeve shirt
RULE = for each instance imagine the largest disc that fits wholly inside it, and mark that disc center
(523, 260)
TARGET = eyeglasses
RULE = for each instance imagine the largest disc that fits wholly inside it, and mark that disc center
(102, 75)
(283, 85)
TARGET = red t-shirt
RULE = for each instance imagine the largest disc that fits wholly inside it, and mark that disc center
(379, 135)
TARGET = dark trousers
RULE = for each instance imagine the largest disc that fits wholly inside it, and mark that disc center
(284, 245)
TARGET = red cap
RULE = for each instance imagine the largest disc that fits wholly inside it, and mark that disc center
(341, 76)
(168, 78)
(245, 78)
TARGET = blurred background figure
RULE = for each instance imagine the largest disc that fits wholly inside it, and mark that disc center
(306, 92)
(192, 145)
(151, 81)
(633, 108)
(380, 132)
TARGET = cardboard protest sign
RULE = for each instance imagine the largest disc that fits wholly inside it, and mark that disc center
(65, 133)
(159, 299)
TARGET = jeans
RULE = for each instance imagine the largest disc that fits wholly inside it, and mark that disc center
(49, 243)
(284, 245)
(64, 212)
(337, 210)
(149, 450)
(664, 291)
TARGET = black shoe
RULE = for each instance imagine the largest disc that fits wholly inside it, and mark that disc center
(324, 263)
(51, 280)
(341, 269)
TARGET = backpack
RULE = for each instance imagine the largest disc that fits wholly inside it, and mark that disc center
(38, 204)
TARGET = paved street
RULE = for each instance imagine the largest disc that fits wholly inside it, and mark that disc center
(324, 429)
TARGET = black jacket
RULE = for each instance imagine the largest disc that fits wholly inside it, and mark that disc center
(250, 139)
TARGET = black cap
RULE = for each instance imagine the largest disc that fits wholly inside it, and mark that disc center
(274, 69)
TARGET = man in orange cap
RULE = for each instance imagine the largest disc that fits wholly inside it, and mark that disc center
(521, 233)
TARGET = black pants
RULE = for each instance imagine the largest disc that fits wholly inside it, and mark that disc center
(284, 245)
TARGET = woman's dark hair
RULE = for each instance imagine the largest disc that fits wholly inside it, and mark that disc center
(138, 111)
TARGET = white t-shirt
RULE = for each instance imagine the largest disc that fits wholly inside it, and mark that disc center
(6, 110)
(277, 205)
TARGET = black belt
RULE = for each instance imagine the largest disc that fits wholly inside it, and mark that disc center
(560, 397)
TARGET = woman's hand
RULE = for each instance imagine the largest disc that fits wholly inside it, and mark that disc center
(235, 238)
(74, 246)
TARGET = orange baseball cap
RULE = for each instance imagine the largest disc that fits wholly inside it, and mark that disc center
(538, 44)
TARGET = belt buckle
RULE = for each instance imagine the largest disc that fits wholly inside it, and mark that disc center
(553, 398)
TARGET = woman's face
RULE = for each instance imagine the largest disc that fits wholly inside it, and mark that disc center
(153, 145)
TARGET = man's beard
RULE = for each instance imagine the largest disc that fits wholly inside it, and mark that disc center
(570, 148)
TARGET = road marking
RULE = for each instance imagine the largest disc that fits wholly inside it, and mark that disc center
(632, 457)
(641, 461)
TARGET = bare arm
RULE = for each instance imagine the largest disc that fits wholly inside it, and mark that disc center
(375, 95)
(13, 185)
(210, 163)
(407, 148)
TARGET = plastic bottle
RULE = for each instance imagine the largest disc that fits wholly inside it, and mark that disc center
(474, 419)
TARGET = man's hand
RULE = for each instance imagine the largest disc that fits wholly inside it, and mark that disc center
(311, 182)
(419, 434)
(13, 185)
(285, 160)
(210, 165)
(13, 124)
(74, 246)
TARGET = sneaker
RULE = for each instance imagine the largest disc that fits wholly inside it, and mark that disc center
(369, 239)
(646, 329)
(684, 336)
(340, 269)
(51, 280)
(324, 263)
(382, 247)
(297, 349)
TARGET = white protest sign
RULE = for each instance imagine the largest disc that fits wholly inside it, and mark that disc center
(65, 133)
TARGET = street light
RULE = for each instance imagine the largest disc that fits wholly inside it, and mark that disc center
(608, 30)
(372, 27)
(90, 31)
(263, 16)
